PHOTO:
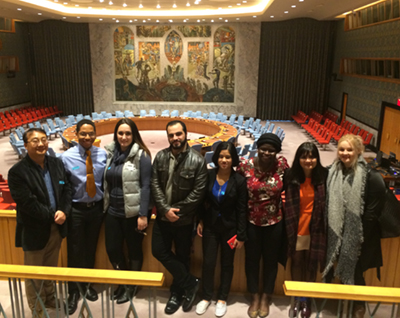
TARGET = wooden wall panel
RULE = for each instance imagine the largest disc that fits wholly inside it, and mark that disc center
(9, 254)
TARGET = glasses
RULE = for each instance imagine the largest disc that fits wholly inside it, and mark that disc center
(35, 142)
(84, 134)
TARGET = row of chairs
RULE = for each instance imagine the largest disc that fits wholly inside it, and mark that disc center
(248, 151)
(302, 118)
(320, 133)
(356, 130)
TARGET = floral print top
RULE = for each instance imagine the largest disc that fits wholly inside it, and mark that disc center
(264, 191)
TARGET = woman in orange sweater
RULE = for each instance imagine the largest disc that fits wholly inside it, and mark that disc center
(304, 215)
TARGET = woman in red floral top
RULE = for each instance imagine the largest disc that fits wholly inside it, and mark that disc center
(264, 175)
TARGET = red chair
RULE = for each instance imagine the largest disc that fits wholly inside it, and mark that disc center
(367, 140)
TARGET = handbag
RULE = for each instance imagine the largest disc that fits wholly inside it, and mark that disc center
(389, 220)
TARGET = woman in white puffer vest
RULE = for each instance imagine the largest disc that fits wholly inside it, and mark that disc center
(126, 201)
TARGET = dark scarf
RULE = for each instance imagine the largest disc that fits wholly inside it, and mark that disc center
(345, 207)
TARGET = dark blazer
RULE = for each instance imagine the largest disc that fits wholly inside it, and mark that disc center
(233, 207)
(34, 213)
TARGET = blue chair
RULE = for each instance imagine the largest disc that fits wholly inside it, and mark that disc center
(37, 125)
(79, 117)
(19, 134)
(197, 147)
(15, 142)
(271, 128)
(252, 154)
(87, 117)
(175, 113)
(205, 115)
(152, 113)
(238, 149)
(165, 113)
(215, 145)
(31, 125)
(18, 150)
(119, 114)
(52, 153)
(208, 156)
(72, 119)
(143, 113)
(245, 150)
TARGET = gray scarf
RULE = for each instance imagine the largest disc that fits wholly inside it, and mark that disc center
(345, 207)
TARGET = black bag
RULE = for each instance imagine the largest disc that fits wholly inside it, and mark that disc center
(390, 218)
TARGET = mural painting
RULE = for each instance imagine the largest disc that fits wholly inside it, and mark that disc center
(155, 31)
(223, 70)
(124, 50)
(160, 74)
(195, 31)
(173, 47)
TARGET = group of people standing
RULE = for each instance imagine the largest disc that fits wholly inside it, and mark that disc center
(319, 218)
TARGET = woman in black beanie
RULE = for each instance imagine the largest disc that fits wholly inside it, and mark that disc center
(264, 175)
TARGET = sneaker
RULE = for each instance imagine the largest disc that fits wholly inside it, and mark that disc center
(202, 306)
(220, 309)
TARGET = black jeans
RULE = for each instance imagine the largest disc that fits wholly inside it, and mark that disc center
(118, 230)
(265, 241)
(177, 263)
(213, 237)
(83, 232)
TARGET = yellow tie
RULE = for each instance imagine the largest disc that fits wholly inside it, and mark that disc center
(90, 184)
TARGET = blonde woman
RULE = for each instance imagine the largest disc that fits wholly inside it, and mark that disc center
(354, 203)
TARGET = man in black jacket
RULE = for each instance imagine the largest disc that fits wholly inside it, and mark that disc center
(179, 178)
(39, 186)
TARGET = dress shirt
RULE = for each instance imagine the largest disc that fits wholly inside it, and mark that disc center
(47, 180)
(74, 160)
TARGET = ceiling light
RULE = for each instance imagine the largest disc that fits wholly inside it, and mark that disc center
(89, 8)
(100, 19)
(101, 1)
(220, 18)
(254, 16)
(204, 19)
(196, 2)
(144, 21)
(229, 6)
(148, 19)
(55, 0)
(174, 6)
(244, 1)
(65, 3)
(77, 5)
(110, 3)
(170, 21)
(39, 13)
(198, 20)
(294, 6)
(157, 21)
(130, 21)
(219, 8)
(117, 21)
(237, 18)
(113, 18)
(64, 17)
(188, 4)
(238, 4)
(271, 16)
(135, 20)
(158, 6)
(124, 5)
(212, 20)
(301, 0)
(19, 9)
(226, 20)
(78, 17)
(286, 12)
(140, 5)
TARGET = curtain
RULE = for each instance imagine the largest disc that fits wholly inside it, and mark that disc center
(60, 66)
(295, 67)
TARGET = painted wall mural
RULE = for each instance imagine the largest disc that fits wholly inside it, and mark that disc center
(195, 31)
(173, 68)
(154, 31)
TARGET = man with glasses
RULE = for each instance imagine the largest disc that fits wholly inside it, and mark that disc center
(85, 166)
(40, 187)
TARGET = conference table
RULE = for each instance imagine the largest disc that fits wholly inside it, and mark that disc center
(212, 130)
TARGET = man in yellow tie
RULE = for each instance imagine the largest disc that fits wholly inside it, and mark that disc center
(85, 166)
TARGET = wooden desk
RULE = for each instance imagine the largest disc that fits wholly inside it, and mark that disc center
(212, 130)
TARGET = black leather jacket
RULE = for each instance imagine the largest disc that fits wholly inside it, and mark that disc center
(188, 187)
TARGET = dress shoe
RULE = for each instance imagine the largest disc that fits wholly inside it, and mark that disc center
(173, 304)
(264, 306)
(306, 308)
(296, 308)
(91, 294)
(129, 293)
(254, 306)
(73, 300)
(118, 292)
(190, 296)
(358, 311)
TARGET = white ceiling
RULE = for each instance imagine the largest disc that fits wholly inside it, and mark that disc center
(206, 11)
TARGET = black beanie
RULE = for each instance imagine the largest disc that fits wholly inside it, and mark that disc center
(271, 139)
